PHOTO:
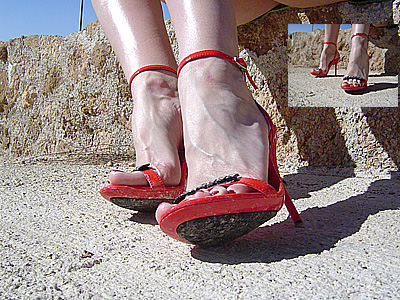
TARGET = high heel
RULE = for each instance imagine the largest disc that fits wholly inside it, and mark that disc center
(146, 198)
(351, 88)
(318, 71)
(221, 218)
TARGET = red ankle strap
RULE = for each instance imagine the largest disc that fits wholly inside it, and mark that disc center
(214, 53)
(360, 33)
(330, 43)
(149, 67)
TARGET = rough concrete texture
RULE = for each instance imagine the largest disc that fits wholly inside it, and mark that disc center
(65, 100)
(60, 240)
(309, 91)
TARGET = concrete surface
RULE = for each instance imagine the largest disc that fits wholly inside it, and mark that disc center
(306, 90)
(60, 240)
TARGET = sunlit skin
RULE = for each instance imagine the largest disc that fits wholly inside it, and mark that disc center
(328, 52)
(358, 60)
(138, 36)
(224, 131)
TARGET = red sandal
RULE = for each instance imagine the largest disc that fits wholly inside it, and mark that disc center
(146, 198)
(318, 71)
(351, 88)
(217, 219)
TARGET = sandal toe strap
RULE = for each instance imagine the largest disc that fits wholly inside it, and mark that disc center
(354, 77)
(256, 184)
(151, 175)
(222, 180)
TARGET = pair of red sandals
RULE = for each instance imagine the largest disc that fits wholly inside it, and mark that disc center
(345, 86)
(215, 219)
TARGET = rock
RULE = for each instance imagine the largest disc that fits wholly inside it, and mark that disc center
(69, 95)
(56, 95)
(28, 97)
(3, 51)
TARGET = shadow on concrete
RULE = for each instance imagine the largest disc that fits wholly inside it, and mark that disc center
(375, 87)
(302, 183)
(144, 218)
(381, 86)
(323, 228)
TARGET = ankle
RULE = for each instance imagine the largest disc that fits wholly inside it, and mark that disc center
(360, 41)
(329, 49)
(212, 71)
(160, 83)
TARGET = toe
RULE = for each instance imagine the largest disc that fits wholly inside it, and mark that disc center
(124, 178)
(345, 83)
(199, 194)
(161, 209)
(219, 190)
(240, 188)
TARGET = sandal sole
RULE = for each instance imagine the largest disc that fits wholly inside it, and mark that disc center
(214, 230)
(142, 205)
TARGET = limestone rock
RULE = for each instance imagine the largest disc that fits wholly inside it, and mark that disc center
(64, 95)
(69, 95)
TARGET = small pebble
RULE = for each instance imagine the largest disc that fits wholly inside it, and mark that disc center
(86, 254)
(110, 164)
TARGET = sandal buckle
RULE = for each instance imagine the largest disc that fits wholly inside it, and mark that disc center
(240, 62)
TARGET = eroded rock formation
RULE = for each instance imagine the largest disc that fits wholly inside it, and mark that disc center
(69, 95)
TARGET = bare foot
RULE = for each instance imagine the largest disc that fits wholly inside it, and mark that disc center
(358, 62)
(156, 127)
(327, 56)
(224, 130)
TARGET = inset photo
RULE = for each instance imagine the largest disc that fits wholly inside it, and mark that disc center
(343, 65)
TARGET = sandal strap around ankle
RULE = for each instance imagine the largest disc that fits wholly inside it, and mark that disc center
(148, 68)
(360, 33)
(214, 53)
(330, 43)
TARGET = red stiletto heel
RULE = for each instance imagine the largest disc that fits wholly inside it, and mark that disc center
(146, 198)
(216, 219)
(318, 71)
(364, 84)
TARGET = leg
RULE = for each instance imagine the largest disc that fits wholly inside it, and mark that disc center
(137, 34)
(249, 10)
(224, 131)
(329, 50)
(307, 3)
(359, 60)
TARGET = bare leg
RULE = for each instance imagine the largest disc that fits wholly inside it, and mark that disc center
(224, 131)
(137, 34)
(307, 3)
(328, 52)
(359, 60)
(249, 10)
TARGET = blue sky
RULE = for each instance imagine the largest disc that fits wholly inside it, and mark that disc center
(311, 27)
(53, 17)
(61, 17)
